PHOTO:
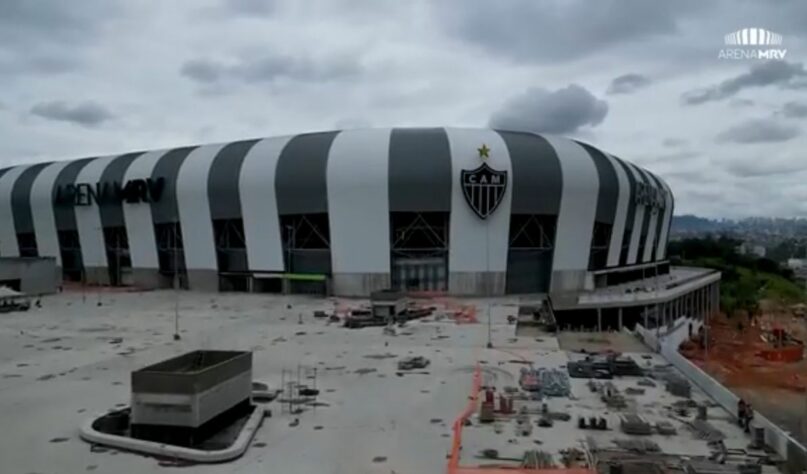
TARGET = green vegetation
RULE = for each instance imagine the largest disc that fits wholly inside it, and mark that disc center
(745, 279)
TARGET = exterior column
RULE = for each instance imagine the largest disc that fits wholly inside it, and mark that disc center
(644, 311)
(599, 319)
(703, 302)
(619, 319)
(691, 304)
(717, 297)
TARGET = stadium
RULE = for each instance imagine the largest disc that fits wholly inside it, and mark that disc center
(471, 212)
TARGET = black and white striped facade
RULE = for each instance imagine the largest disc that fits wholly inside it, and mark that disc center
(369, 209)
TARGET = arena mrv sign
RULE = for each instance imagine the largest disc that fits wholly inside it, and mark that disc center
(110, 192)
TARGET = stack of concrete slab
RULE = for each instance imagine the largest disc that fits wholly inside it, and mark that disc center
(702, 466)
(635, 425)
(679, 386)
(554, 383)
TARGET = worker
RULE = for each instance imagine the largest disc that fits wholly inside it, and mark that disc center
(741, 412)
(749, 415)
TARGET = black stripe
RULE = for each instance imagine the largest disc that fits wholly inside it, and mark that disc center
(660, 218)
(111, 209)
(166, 210)
(608, 195)
(21, 200)
(631, 214)
(301, 185)
(222, 182)
(537, 181)
(64, 214)
(419, 170)
(645, 220)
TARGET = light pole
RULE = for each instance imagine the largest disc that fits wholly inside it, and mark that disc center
(289, 244)
(487, 276)
(175, 248)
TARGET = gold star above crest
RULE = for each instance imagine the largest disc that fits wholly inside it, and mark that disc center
(484, 151)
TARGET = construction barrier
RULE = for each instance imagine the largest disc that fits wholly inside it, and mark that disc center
(456, 443)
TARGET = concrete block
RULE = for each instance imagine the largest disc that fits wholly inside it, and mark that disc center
(359, 284)
(477, 283)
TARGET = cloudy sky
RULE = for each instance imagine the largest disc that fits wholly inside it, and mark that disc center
(641, 79)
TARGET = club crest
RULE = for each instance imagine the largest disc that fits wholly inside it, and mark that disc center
(483, 188)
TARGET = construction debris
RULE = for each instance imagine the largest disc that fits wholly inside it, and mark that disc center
(635, 425)
(523, 426)
(610, 395)
(679, 386)
(705, 431)
(604, 367)
(702, 466)
(549, 382)
(640, 446)
(592, 423)
(411, 363)
(572, 457)
(529, 380)
(534, 459)
(665, 428)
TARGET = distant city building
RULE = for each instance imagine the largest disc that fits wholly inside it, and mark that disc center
(750, 249)
(799, 267)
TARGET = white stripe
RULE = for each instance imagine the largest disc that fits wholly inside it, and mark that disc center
(358, 201)
(8, 231)
(137, 216)
(578, 205)
(638, 217)
(259, 205)
(88, 218)
(647, 254)
(618, 229)
(194, 208)
(47, 240)
(661, 249)
(477, 245)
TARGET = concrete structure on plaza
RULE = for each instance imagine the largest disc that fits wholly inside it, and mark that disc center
(30, 275)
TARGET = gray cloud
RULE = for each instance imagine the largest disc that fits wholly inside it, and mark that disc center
(250, 7)
(270, 69)
(202, 70)
(52, 20)
(794, 110)
(352, 122)
(48, 36)
(674, 142)
(561, 111)
(756, 167)
(758, 131)
(739, 103)
(628, 83)
(770, 73)
(87, 114)
(559, 31)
